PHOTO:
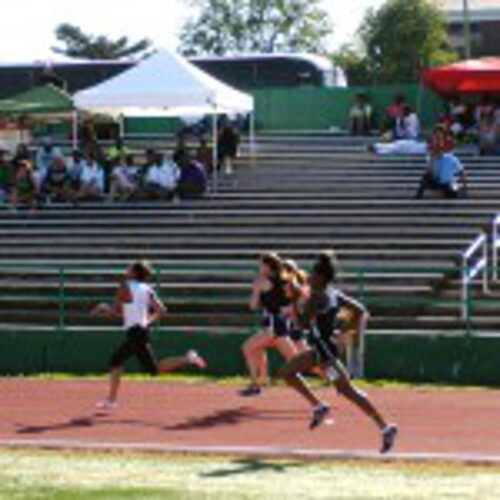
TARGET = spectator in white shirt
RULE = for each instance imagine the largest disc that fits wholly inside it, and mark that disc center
(124, 179)
(45, 156)
(410, 127)
(92, 180)
(161, 179)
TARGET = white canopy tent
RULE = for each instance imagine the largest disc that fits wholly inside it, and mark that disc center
(165, 84)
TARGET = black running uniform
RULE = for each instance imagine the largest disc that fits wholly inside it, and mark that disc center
(324, 308)
(273, 301)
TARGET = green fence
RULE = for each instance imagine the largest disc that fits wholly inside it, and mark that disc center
(312, 108)
(53, 332)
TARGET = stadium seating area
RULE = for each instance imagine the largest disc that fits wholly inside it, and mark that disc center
(300, 194)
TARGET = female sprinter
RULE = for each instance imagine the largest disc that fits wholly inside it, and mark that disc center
(268, 296)
(139, 307)
(320, 313)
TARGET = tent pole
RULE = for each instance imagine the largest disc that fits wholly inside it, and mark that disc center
(74, 134)
(420, 97)
(215, 151)
(252, 138)
(121, 125)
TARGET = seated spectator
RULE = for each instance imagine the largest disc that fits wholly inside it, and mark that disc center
(204, 155)
(409, 124)
(445, 173)
(228, 144)
(5, 176)
(458, 117)
(45, 156)
(124, 179)
(24, 189)
(393, 115)
(487, 134)
(360, 116)
(180, 149)
(193, 180)
(56, 186)
(161, 179)
(92, 180)
(75, 168)
(401, 147)
(22, 153)
(115, 155)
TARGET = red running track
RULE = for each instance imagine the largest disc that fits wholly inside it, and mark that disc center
(177, 416)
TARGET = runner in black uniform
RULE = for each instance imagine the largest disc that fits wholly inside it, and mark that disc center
(269, 297)
(320, 314)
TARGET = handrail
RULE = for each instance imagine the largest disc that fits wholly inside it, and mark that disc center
(473, 266)
(495, 243)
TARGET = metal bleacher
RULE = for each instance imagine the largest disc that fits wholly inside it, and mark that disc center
(299, 194)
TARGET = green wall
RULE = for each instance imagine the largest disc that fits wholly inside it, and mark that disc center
(438, 359)
(321, 109)
(312, 108)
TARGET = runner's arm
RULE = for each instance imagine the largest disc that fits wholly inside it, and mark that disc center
(158, 309)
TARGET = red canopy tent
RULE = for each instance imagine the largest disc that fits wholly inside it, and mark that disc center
(480, 76)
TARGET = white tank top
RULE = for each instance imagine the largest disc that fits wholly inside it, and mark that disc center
(136, 312)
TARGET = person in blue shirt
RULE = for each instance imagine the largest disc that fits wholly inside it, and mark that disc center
(446, 174)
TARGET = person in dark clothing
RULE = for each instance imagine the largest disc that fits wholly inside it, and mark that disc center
(320, 314)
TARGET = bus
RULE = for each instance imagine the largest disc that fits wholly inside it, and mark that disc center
(246, 72)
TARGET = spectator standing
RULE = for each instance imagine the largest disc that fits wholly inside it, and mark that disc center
(361, 116)
(228, 144)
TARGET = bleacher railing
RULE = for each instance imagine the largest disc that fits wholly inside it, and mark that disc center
(495, 244)
(474, 264)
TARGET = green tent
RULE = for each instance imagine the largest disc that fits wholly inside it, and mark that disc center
(38, 101)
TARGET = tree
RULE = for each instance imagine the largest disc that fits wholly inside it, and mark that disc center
(398, 42)
(236, 26)
(80, 45)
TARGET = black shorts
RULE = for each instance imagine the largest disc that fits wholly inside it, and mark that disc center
(277, 324)
(138, 344)
(326, 351)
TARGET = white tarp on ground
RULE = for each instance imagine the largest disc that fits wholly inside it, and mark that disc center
(164, 84)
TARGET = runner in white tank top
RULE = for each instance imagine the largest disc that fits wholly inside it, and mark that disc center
(138, 305)
(136, 312)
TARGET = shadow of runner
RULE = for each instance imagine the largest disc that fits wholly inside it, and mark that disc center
(252, 465)
(217, 419)
(75, 423)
